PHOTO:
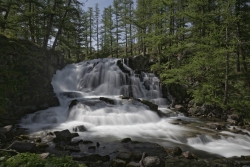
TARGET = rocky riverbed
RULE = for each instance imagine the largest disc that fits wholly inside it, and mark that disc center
(127, 152)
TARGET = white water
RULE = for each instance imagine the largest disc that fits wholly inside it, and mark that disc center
(87, 81)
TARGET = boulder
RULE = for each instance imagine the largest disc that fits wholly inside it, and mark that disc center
(64, 135)
(180, 108)
(151, 161)
(80, 128)
(215, 126)
(122, 68)
(126, 140)
(151, 105)
(117, 163)
(124, 156)
(136, 155)
(133, 164)
(73, 103)
(107, 100)
(23, 147)
(8, 132)
(176, 151)
(92, 158)
(189, 155)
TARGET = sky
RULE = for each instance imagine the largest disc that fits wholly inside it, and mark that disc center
(91, 3)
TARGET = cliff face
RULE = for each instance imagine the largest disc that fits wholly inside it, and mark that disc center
(25, 78)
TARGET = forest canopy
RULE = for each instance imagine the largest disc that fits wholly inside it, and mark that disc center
(200, 44)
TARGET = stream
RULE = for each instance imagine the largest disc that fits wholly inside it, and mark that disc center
(106, 123)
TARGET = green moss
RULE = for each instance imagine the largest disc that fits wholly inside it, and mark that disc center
(34, 160)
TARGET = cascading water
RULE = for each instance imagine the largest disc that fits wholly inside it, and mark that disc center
(87, 81)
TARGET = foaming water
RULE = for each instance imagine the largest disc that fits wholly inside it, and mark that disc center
(110, 78)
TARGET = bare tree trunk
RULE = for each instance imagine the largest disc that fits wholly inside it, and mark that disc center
(49, 26)
(60, 27)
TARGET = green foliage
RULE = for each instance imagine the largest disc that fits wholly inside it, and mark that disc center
(34, 160)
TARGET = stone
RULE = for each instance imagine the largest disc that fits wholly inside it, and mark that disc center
(151, 105)
(133, 164)
(107, 100)
(80, 128)
(44, 155)
(151, 161)
(124, 156)
(180, 108)
(136, 155)
(8, 132)
(92, 158)
(126, 140)
(189, 155)
(72, 148)
(73, 103)
(176, 151)
(117, 163)
(64, 135)
(23, 147)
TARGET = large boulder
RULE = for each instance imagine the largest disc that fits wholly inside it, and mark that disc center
(124, 156)
(23, 147)
(117, 163)
(64, 135)
(8, 132)
(151, 161)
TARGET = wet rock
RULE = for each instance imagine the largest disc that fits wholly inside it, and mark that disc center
(38, 140)
(42, 146)
(177, 162)
(216, 126)
(86, 142)
(180, 108)
(151, 161)
(117, 163)
(91, 148)
(92, 158)
(176, 151)
(107, 100)
(124, 156)
(124, 97)
(122, 68)
(73, 103)
(23, 137)
(23, 147)
(72, 148)
(133, 164)
(151, 105)
(80, 128)
(126, 140)
(235, 119)
(97, 144)
(189, 155)
(8, 132)
(64, 135)
(136, 155)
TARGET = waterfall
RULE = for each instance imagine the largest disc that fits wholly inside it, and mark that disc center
(87, 81)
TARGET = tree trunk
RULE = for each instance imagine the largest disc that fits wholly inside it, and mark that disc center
(60, 27)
